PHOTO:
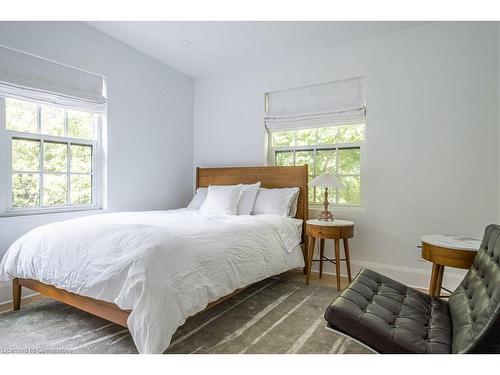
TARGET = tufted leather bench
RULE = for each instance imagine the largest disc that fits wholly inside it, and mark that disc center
(392, 318)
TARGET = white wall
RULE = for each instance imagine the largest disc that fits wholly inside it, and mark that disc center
(498, 114)
(150, 135)
(431, 133)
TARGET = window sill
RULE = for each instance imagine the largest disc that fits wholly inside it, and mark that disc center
(51, 211)
(337, 208)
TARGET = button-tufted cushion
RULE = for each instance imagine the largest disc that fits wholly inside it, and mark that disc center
(475, 304)
(391, 317)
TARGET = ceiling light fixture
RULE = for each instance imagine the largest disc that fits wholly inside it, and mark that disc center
(185, 43)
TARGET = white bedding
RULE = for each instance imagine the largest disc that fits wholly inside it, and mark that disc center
(163, 265)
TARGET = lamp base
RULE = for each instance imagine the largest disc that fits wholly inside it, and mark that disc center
(326, 216)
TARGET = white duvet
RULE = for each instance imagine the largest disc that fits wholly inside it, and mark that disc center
(163, 265)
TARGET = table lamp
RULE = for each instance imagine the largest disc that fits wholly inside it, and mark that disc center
(326, 180)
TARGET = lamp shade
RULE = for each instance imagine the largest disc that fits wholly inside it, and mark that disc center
(327, 180)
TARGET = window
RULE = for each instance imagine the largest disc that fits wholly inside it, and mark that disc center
(51, 126)
(323, 126)
(336, 149)
(52, 157)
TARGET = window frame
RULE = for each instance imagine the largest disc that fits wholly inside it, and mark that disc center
(6, 172)
(333, 146)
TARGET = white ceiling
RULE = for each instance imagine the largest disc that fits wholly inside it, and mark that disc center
(219, 46)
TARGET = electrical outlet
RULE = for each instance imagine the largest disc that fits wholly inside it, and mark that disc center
(419, 255)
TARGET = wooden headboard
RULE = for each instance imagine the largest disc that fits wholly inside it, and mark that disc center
(269, 177)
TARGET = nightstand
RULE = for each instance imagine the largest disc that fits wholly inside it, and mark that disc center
(449, 251)
(334, 230)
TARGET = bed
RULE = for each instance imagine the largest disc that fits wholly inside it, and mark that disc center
(150, 271)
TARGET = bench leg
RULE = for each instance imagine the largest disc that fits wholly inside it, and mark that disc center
(16, 295)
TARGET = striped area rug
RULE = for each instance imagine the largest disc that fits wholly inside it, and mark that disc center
(272, 316)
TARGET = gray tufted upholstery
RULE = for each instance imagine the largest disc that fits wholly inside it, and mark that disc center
(393, 318)
(475, 304)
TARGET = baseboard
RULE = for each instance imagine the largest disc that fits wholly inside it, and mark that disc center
(413, 277)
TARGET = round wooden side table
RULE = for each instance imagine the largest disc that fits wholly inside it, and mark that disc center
(449, 251)
(335, 230)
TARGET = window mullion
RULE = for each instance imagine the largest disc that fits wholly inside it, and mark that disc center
(51, 138)
(68, 175)
(315, 166)
(65, 122)
(94, 126)
(93, 179)
(39, 118)
(9, 200)
(40, 175)
(314, 173)
(5, 161)
(337, 155)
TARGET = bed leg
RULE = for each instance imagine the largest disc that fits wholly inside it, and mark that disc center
(16, 295)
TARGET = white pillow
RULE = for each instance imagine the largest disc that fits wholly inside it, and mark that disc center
(247, 199)
(199, 198)
(221, 200)
(274, 201)
(293, 206)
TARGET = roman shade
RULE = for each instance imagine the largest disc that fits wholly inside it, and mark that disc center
(327, 104)
(27, 77)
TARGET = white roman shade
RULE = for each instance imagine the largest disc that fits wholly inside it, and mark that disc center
(328, 104)
(24, 76)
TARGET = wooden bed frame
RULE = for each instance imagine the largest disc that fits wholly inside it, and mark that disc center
(270, 177)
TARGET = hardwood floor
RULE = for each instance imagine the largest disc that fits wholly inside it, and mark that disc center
(327, 279)
(24, 301)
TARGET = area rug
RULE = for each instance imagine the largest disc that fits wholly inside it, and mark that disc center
(272, 316)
